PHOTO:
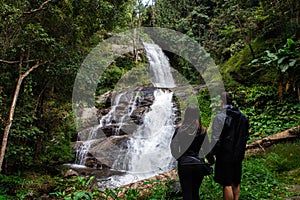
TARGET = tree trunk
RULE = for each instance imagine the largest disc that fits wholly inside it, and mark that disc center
(10, 119)
(12, 111)
(280, 92)
(251, 50)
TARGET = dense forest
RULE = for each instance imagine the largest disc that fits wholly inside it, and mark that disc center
(255, 44)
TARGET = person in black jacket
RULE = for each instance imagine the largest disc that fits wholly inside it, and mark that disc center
(185, 147)
(230, 134)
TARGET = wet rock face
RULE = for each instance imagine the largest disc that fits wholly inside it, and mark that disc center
(129, 112)
(88, 117)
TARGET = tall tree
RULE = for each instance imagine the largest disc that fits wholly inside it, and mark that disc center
(25, 58)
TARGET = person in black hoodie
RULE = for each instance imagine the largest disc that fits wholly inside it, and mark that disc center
(185, 148)
(229, 134)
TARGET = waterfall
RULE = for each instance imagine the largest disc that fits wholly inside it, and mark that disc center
(150, 143)
(110, 116)
(147, 151)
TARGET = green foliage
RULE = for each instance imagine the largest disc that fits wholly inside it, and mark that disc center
(114, 193)
(262, 178)
(237, 70)
(61, 130)
(277, 18)
(207, 107)
(75, 188)
(283, 60)
(35, 35)
(189, 17)
(24, 135)
(111, 76)
(12, 186)
(210, 189)
(231, 29)
(124, 72)
(132, 193)
(160, 189)
(20, 186)
(284, 63)
(267, 116)
(283, 158)
(187, 70)
(60, 33)
(258, 182)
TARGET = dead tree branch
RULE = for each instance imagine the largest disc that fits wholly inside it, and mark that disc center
(41, 7)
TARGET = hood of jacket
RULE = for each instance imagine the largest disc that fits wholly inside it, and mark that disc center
(232, 112)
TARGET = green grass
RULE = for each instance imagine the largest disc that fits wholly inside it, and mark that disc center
(266, 175)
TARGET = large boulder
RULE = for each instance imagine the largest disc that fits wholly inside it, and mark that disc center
(107, 151)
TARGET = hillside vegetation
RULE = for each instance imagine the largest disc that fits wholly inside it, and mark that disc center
(255, 44)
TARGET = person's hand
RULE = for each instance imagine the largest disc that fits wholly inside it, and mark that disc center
(211, 159)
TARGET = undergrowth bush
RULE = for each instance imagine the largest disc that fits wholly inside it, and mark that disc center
(258, 182)
(283, 158)
(266, 114)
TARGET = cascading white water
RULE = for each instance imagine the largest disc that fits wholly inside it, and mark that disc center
(159, 66)
(110, 116)
(130, 108)
(148, 150)
(83, 149)
(150, 143)
(149, 147)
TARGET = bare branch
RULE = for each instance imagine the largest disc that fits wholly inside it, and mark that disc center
(41, 7)
(33, 67)
(9, 62)
(15, 62)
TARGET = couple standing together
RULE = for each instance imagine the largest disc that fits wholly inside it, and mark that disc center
(226, 149)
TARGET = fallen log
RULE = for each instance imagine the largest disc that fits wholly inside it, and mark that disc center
(261, 145)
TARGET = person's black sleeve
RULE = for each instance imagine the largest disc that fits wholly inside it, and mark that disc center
(217, 128)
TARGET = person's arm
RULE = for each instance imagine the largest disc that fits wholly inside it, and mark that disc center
(243, 137)
(217, 128)
(205, 150)
(210, 158)
(175, 147)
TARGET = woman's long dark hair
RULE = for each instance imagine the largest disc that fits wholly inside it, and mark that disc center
(187, 131)
(191, 121)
